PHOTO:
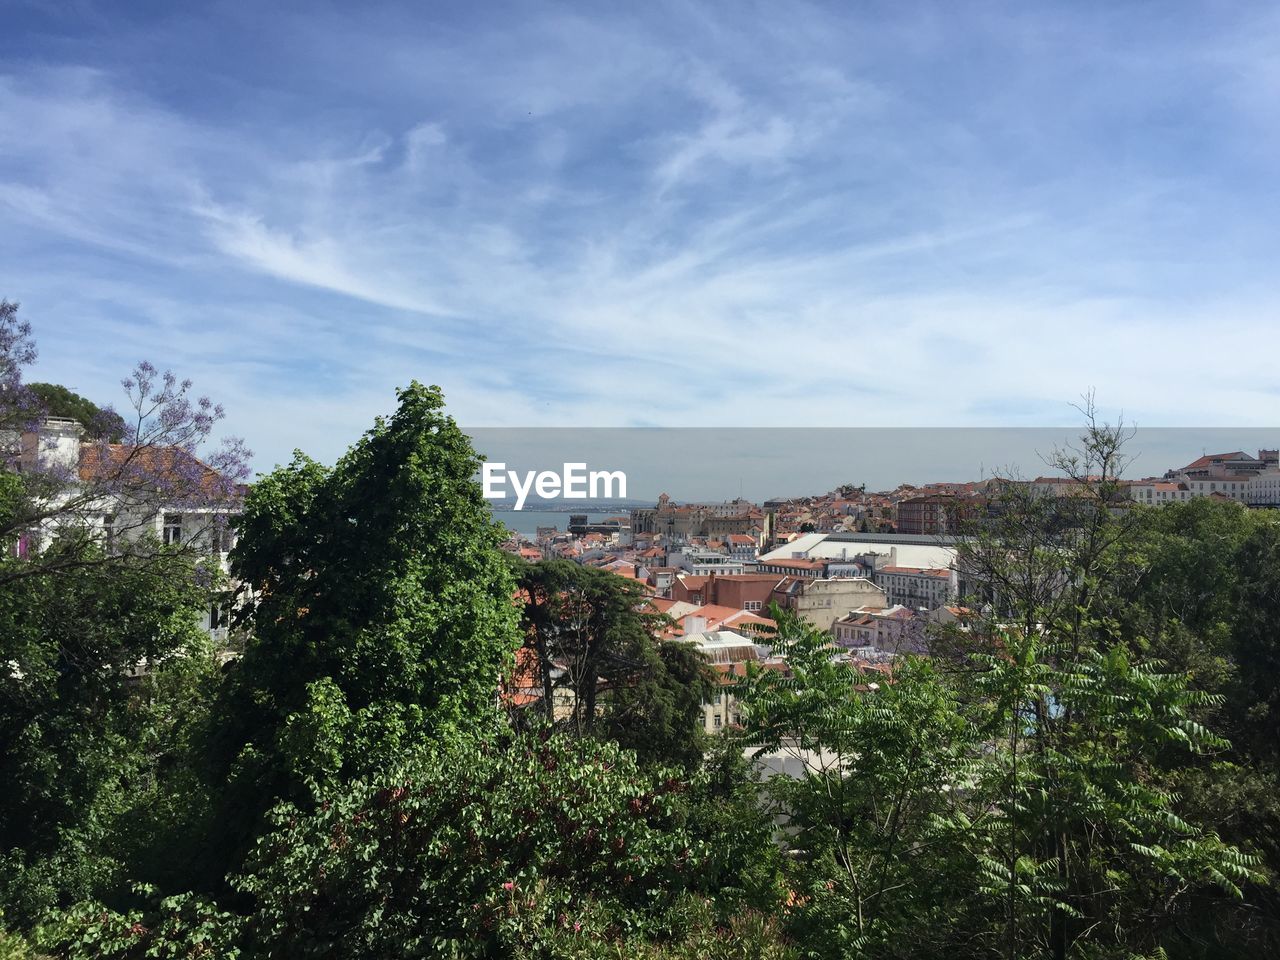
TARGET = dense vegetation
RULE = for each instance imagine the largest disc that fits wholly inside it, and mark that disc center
(57, 401)
(1087, 768)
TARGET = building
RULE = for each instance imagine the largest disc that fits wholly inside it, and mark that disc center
(823, 601)
(682, 523)
(933, 513)
(868, 550)
(895, 630)
(920, 588)
(127, 495)
(728, 653)
(743, 547)
(749, 591)
(1157, 493)
(813, 567)
(1228, 474)
(703, 562)
(1264, 489)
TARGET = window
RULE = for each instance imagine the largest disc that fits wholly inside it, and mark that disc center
(172, 529)
(717, 721)
(753, 605)
(109, 531)
(222, 534)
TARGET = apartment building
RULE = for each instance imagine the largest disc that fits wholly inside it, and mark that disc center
(823, 601)
(917, 587)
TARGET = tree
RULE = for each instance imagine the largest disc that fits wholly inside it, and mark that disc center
(870, 815)
(92, 632)
(91, 491)
(1026, 783)
(596, 643)
(82, 655)
(657, 711)
(99, 423)
(379, 595)
(1200, 593)
(533, 846)
(1085, 841)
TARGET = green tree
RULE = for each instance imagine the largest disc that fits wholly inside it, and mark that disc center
(1200, 593)
(81, 732)
(101, 648)
(1085, 841)
(1027, 782)
(867, 811)
(99, 423)
(379, 600)
(596, 642)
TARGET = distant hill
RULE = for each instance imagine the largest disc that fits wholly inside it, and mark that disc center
(571, 506)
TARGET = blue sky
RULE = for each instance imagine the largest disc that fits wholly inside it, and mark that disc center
(651, 214)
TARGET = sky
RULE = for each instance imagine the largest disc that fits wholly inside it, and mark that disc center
(659, 214)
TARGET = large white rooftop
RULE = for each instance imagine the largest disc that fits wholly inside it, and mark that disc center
(823, 546)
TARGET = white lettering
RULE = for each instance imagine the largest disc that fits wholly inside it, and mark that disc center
(521, 491)
(609, 478)
(575, 481)
(493, 477)
(548, 484)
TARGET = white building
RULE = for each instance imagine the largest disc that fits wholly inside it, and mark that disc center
(703, 563)
(920, 588)
(728, 653)
(867, 630)
(108, 492)
(1264, 489)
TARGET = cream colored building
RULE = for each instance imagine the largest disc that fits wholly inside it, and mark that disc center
(823, 601)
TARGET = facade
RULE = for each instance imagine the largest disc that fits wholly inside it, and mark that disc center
(812, 567)
(748, 591)
(822, 602)
(680, 523)
(728, 652)
(896, 630)
(1253, 481)
(917, 587)
(934, 513)
(1264, 489)
(704, 562)
(122, 506)
(742, 547)
(1157, 493)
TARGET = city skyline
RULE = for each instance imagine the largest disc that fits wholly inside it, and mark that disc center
(713, 465)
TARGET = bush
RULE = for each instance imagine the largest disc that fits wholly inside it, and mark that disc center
(483, 846)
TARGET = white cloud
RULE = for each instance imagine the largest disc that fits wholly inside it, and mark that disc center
(609, 223)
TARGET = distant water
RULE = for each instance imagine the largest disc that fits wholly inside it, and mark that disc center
(528, 521)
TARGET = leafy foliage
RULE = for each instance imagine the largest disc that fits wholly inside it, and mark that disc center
(381, 613)
(99, 423)
(476, 847)
(594, 640)
(78, 734)
(870, 817)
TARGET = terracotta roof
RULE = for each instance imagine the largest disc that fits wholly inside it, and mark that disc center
(524, 685)
(915, 571)
(1209, 459)
(125, 465)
